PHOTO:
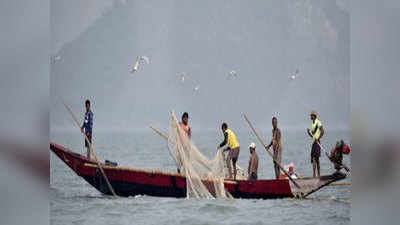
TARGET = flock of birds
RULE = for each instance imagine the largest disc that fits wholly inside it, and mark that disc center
(184, 76)
(187, 77)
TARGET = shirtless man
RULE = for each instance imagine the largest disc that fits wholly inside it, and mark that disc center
(253, 163)
(276, 144)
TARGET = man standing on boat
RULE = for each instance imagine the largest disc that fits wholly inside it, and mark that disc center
(87, 126)
(316, 133)
(253, 163)
(184, 124)
(186, 128)
(276, 144)
(233, 148)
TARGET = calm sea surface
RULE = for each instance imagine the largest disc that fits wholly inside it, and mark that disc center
(73, 201)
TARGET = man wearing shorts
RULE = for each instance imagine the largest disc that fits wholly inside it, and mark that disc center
(233, 148)
(316, 133)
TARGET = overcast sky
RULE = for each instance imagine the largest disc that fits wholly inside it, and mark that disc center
(24, 69)
(264, 41)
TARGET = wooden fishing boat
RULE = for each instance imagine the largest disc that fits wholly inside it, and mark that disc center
(131, 182)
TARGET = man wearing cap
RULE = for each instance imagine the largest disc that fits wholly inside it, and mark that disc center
(253, 163)
(276, 144)
(290, 169)
(316, 133)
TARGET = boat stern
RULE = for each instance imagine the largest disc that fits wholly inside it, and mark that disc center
(311, 185)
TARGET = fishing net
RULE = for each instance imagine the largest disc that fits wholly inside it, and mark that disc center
(204, 177)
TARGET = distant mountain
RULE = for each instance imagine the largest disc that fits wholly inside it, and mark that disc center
(264, 42)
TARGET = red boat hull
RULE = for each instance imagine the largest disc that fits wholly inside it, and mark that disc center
(131, 182)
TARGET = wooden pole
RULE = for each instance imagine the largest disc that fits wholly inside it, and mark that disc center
(265, 146)
(91, 150)
(159, 132)
(340, 184)
(165, 137)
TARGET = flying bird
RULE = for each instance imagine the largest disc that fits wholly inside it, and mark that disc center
(140, 60)
(295, 75)
(196, 89)
(54, 59)
(232, 75)
(184, 76)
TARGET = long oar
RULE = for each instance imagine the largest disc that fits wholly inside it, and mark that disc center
(327, 155)
(165, 137)
(91, 150)
(159, 132)
(265, 146)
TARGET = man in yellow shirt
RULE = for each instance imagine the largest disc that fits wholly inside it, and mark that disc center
(316, 133)
(233, 148)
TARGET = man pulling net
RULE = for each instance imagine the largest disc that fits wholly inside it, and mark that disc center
(204, 177)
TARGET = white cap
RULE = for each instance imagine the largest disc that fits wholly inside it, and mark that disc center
(252, 145)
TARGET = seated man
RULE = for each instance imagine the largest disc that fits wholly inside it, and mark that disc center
(291, 172)
(253, 163)
(290, 169)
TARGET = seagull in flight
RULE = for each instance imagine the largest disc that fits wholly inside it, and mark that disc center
(140, 60)
(184, 76)
(294, 76)
(54, 59)
(196, 89)
(232, 75)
